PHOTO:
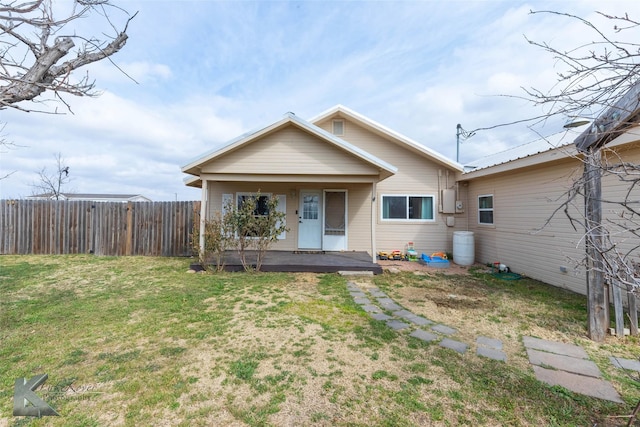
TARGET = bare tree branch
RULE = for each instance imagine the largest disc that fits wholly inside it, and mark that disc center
(51, 185)
(33, 49)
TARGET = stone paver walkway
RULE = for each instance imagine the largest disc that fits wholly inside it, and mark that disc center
(381, 307)
(568, 365)
(554, 363)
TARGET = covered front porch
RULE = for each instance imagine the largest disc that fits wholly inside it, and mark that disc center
(307, 262)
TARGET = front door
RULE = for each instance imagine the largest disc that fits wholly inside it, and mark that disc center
(310, 220)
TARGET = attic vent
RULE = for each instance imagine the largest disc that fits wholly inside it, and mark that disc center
(338, 127)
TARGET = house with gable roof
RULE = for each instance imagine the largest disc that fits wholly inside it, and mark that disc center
(345, 182)
(348, 183)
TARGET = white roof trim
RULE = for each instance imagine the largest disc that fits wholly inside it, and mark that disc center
(428, 152)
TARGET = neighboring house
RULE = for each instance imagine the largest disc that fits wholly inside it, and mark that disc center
(515, 200)
(345, 182)
(93, 197)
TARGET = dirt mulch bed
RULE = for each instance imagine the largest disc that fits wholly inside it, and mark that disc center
(419, 266)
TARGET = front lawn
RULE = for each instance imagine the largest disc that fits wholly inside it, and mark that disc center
(138, 341)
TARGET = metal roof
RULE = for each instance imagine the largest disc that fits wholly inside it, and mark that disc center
(540, 145)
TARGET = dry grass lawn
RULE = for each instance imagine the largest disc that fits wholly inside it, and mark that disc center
(139, 341)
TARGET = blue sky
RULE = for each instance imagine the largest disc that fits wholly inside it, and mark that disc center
(207, 71)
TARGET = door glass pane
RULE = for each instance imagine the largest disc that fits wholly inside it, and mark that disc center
(310, 207)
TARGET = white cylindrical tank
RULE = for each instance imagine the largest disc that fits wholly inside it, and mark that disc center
(463, 247)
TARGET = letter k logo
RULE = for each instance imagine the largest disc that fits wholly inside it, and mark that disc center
(23, 395)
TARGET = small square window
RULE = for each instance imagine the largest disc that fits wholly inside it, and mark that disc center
(338, 127)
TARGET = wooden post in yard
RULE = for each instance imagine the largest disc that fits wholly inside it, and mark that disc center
(633, 313)
(596, 298)
(616, 289)
(616, 120)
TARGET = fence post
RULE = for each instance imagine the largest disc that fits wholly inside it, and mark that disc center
(129, 244)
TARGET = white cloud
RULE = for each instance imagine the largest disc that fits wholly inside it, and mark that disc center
(209, 71)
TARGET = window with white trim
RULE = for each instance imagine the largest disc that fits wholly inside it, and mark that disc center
(485, 209)
(399, 207)
(338, 127)
(262, 207)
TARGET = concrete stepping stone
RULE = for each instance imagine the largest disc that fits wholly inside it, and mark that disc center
(589, 386)
(444, 329)
(362, 301)
(377, 293)
(397, 325)
(370, 308)
(420, 321)
(353, 286)
(564, 363)
(358, 294)
(388, 304)
(573, 369)
(381, 316)
(628, 364)
(458, 346)
(424, 335)
(490, 348)
(491, 353)
(493, 343)
(413, 318)
(555, 347)
(405, 314)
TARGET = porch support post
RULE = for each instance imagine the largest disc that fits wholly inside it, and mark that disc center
(373, 222)
(203, 214)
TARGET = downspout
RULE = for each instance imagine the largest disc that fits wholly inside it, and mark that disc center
(373, 222)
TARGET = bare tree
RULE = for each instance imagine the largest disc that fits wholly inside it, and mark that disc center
(51, 185)
(600, 78)
(37, 52)
(5, 146)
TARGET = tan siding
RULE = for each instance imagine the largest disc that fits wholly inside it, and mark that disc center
(359, 207)
(416, 175)
(524, 200)
(289, 151)
(359, 216)
(618, 218)
(216, 190)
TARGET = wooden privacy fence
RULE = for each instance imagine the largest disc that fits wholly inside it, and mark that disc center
(101, 228)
